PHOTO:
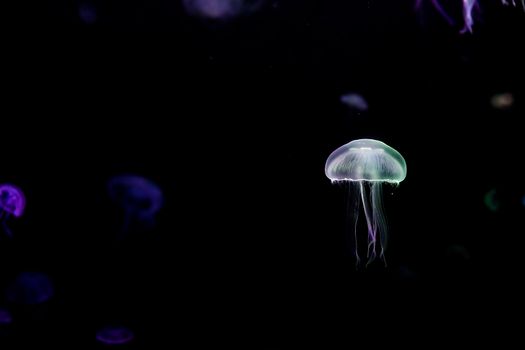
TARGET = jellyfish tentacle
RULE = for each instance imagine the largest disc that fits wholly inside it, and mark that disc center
(353, 207)
(442, 12)
(4, 215)
(371, 253)
(379, 218)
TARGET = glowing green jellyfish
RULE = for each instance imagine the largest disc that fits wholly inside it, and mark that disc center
(365, 165)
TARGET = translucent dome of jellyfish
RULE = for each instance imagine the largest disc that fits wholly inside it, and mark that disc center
(365, 165)
(12, 203)
(139, 198)
(115, 335)
(30, 288)
(220, 9)
(468, 7)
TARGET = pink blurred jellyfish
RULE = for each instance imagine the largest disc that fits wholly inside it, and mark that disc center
(12, 203)
(468, 8)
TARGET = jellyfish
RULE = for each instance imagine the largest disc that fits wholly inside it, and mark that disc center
(355, 101)
(12, 203)
(30, 288)
(220, 9)
(468, 8)
(502, 101)
(5, 317)
(365, 165)
(87, 13)
(115, 335)
(139, 198)
(491, 200)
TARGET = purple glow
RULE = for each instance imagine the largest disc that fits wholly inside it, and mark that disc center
(87, 13)
(12, 200)
(30, 288)
(5, 317)
(139, 197)
(355, 101)
(220, 9)
(115, 335)
(468, 9)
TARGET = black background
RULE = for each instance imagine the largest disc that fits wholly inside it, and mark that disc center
(234, 120)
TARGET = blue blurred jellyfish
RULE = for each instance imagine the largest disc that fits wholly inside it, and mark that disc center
(87, 13)
(115, 335)
(468, 8)
(30, 288)
(139, 198)
(221, 9)
(12, 203)
(365, 165)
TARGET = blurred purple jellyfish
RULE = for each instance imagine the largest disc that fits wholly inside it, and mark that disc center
(355, 101)
(221, 9)
(139, 198)
(30, 288)
(12, 203)
(468, 7)
(5, 317)
(115, 335)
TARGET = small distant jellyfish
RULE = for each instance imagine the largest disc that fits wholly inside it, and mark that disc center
(115, 335)
(139, 198)
(365, 165)
(12, 203)
(220, 9)
(502, 101)
(355, 101)
(491, 200)
(30, 288)
(5, 317)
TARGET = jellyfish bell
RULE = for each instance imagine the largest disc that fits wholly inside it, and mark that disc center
(220, 9)
(354, 101)
(138, 197)
(365, 165)
(30, 288)
(12, 203)
(115, 335)
(366, 160)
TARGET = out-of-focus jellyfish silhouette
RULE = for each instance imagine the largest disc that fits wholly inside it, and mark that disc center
(491, 200)
(221, 9)
(355, 101)
(502, 101)
(139, 198)
(115, 335)
(12, 203)
(468, 9)
(30, 288)
(365, 165)
(87, 12)
(5, 317)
